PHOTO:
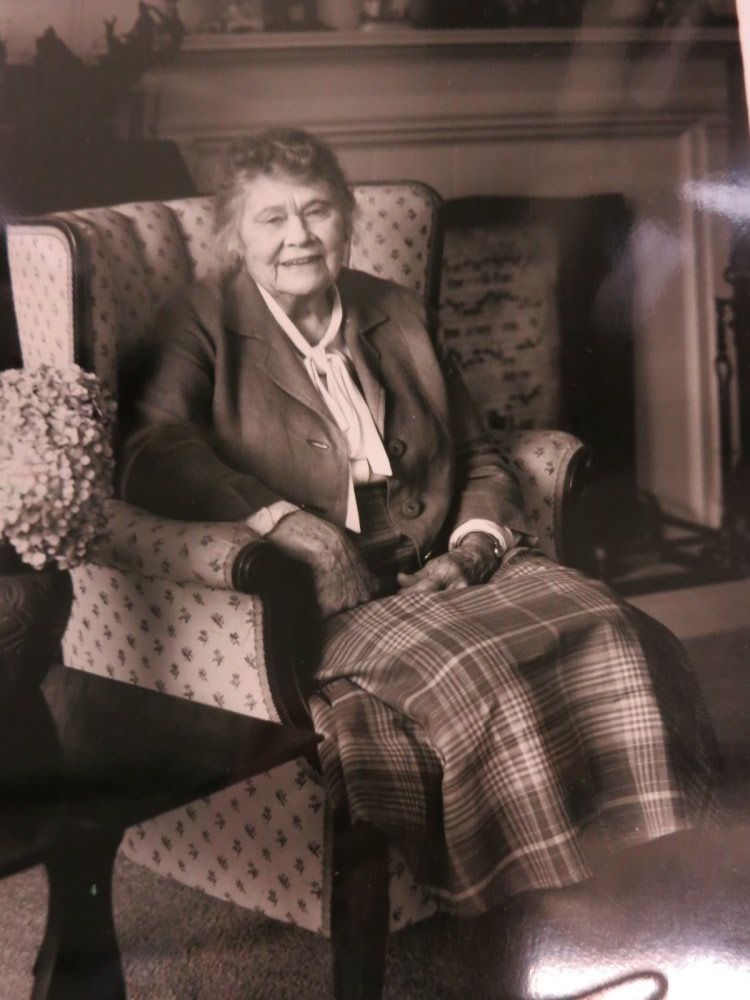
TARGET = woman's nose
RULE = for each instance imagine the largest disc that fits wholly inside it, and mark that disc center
(297, 230)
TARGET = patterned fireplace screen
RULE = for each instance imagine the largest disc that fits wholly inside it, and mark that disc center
(498, 313)
(535, 304)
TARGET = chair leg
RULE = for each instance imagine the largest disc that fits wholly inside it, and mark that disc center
(359, 911)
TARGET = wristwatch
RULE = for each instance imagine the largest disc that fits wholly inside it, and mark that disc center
(498, 546)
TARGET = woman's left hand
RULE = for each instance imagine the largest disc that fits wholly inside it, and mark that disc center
(473, 561)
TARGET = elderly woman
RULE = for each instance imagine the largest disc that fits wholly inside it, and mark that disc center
(483, 706)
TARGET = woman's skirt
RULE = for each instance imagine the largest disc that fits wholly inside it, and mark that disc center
(495, 732)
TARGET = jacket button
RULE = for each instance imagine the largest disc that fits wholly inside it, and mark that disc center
(396, 447)
(323, 445)
(412, 508)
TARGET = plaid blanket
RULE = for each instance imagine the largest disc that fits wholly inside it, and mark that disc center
(488, 730)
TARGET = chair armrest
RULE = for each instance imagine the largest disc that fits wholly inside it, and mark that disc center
(214, 553)
(227, 555)
(551, 468)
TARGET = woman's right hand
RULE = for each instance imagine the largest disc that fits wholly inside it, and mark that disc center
(340, 576)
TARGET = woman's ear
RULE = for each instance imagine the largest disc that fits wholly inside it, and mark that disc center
(232, 251)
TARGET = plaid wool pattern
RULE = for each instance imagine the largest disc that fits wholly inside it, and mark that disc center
(488, 730)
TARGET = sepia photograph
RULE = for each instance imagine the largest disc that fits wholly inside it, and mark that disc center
(374, 500)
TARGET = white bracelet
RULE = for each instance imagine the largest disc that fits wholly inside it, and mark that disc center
(502, 535)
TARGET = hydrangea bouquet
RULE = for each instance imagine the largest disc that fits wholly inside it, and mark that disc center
(56, 463)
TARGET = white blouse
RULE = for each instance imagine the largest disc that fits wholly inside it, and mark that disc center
(329, 367)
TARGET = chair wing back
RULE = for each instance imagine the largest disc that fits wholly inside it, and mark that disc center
(398, 235)
(41, 266)
(109, 270)
(87, 284)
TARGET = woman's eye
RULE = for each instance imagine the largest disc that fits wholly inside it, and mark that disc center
(274, 220)
(317, 211)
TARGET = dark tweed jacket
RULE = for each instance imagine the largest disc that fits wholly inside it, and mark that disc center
(227, 420)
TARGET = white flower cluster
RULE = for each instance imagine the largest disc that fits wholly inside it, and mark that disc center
(56, 463)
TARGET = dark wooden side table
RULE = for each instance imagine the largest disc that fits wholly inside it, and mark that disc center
(81, 760)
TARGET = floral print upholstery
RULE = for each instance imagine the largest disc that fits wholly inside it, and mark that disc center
(182, 639)
(540, 460)
(137, 260)
(95, 343)
(42, 273)
(265, 844)
(155, 607)
(394, 232)
(195, 217)
(161, 244)
(261, 843)
(186, 552)
(121, 266)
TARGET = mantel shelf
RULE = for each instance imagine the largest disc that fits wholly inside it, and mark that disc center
(416, 38)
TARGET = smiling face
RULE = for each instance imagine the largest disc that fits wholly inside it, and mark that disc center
(293, 238)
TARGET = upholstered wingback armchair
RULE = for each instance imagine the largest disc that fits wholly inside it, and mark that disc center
(189, 609)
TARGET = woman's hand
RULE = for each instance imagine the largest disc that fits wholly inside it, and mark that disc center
(340, 577)
(473, 561)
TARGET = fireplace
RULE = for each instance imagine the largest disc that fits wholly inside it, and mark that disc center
(533, 114)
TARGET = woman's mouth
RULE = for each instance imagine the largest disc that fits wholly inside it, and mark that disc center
(302, 261)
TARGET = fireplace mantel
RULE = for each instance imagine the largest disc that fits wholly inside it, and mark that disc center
(466, 38)
(393, 83)
(539, 112)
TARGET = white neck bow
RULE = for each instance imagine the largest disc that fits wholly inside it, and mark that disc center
(330, 374)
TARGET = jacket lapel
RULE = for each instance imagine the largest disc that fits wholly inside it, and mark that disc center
(360, 319)
(246, 313)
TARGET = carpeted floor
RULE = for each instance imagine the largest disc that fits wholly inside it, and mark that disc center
(681, 905)
(178, 944)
